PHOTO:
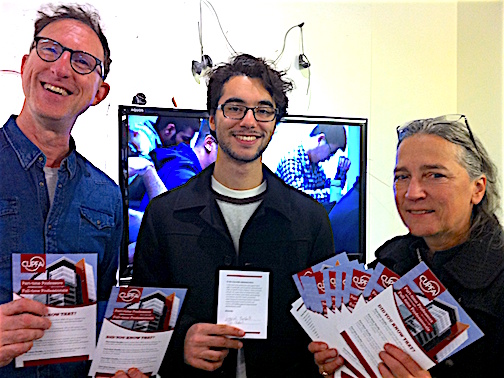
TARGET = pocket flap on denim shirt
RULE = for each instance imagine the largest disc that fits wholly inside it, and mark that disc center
(97, 218)
(8, 206)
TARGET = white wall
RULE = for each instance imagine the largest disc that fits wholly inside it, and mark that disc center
(388, 61)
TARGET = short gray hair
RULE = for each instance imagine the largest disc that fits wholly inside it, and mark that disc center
(85, 14)
(472, 156)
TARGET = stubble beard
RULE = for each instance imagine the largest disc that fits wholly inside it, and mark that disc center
(239, 158)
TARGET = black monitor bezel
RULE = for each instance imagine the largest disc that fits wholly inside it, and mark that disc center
(125, 111)
(362, 123)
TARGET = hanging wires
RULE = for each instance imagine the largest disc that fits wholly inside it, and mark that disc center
(285, 39)
(209, 4)
(200, 29)
(304, 58)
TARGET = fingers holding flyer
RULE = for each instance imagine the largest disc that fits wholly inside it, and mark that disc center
(397, 363)
(132, 373)
(21, 322)
(207, 345)
(327, 359)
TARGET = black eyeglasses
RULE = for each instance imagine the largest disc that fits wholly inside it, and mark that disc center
(81, 62)
(261, 113)
(449, 119)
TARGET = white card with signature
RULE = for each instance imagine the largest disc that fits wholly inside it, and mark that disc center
(243, 301)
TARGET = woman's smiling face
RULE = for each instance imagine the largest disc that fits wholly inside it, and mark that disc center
(433, 192)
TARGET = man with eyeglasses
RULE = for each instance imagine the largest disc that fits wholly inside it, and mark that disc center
(301, 168)
(236, 215)
(52, 200)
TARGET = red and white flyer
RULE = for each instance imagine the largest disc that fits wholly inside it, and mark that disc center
(136, 331)
(415, 312)
(66, 284)
(418, 315)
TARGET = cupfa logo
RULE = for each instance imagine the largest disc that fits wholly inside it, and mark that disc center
(129, 294)
(387, 281)
(319, 278)
(429, 284)
(387, 278)
(332, 279)
(320, 287)
(33, 263)
(307, 272)
(360, 280)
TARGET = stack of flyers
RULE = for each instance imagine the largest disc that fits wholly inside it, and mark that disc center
(66, 284)
(415, 312)
(136, 331)
(322, 286)
(326, 302)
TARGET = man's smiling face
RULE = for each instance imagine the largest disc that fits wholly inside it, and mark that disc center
(243, 140)
(53, 90)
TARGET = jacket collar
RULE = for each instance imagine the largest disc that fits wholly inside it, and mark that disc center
(474, 264)
(28, 153)
(202, 196)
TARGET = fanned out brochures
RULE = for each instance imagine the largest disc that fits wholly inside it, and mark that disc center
(66, 284)
(358, 310)
(137, 329)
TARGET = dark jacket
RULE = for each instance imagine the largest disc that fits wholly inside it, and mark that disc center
(184, 241)
(473, 272)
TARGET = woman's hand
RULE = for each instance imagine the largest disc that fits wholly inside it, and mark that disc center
(327, 359)
(398, 364)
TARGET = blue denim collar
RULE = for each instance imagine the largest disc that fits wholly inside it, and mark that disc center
(28, 153)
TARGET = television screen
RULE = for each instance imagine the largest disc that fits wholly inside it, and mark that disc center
(325, 157)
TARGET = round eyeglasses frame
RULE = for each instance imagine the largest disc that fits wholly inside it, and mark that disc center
(254, 109)
(74, 55)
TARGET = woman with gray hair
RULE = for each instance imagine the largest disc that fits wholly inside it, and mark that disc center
(446, 193)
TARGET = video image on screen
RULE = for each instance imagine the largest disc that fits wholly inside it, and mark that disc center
(325, 158)
(168, 141)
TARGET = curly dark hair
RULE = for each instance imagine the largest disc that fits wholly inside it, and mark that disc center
(86, 15)
(247, 65)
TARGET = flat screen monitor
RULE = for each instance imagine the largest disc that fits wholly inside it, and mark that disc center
(289, 154)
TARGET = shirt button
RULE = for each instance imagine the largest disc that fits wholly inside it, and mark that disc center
(228, 260)
(49, 227)
(60, 186)
(40, 158)
(449, 363)
(98, 222)
(41, 184)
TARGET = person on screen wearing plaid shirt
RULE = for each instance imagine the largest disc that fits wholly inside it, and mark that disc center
(301, 168)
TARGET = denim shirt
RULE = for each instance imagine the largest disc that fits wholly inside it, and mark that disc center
(86, 216)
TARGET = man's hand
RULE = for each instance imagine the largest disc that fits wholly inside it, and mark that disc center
(138, 165)
(132, 373)
(399, 364)
(21, 322)
(327, 359)
(206, 345)
(343, 167)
